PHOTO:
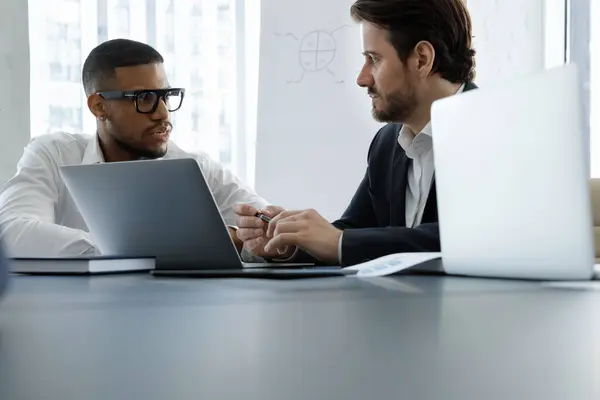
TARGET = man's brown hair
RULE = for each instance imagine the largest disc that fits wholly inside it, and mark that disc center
(445, 24)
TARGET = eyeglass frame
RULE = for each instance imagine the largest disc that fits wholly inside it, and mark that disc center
(133, 94)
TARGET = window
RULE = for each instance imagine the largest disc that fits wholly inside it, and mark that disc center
(197, 8)
(65, 118)
(120, 13)
(583, 49)
(199, 40)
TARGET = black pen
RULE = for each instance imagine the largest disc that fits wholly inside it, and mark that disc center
(263, 217)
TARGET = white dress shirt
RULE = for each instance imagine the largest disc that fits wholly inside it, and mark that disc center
(38, 216)
(419, 148)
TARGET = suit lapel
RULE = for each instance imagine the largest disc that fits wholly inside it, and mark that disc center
(430, 213)
(398, 185)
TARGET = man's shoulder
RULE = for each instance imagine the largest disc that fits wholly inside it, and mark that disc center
(385, 139)
(58, 148)
(175, 152)
(389, 131)
(61, 141)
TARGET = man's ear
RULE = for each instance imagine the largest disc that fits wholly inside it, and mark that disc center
(96, 106)
(425, 56)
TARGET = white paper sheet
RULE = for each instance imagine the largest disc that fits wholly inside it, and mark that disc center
(391, 264)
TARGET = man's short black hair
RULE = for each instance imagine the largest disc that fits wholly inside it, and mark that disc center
(99, 66)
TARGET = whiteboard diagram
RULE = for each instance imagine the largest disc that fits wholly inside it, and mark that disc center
(316, 52)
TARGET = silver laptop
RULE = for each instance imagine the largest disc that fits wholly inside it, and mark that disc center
(155, 208)
(512, 180)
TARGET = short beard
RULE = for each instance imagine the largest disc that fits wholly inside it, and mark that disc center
(136, 152)
(398, 107)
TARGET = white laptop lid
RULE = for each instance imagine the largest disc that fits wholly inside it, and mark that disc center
(512, 179)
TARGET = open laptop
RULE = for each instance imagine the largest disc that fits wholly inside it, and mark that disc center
(163, 209)
(512, 177)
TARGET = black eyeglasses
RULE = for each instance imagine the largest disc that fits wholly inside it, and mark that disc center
(146, 101)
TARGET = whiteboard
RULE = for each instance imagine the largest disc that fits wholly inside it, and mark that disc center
(314, 124)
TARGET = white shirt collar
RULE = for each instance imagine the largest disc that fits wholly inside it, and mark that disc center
(93, 152)
(406, 137)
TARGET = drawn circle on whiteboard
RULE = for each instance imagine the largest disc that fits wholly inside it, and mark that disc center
(317, 51)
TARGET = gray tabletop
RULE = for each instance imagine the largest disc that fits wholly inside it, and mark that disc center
(412, 337)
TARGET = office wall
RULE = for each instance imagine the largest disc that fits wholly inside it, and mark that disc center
(14, 84)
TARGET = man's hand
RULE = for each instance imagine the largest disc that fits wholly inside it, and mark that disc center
(252, 231)
(308, 231)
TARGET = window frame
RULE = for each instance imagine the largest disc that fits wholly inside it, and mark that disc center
(578, 51)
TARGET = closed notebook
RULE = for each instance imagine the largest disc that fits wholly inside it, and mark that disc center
(80, 265)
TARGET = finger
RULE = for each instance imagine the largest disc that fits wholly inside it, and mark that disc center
(247, 234)
(249, 222)
(299, 216)
(272, 211)
(280, 241)
(287, 226)
(244, 209)
(277, 219)
(273, 224)
(283, 250)
(286, 219)
(255, 246)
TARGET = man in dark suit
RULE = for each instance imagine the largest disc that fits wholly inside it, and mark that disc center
(416, 52)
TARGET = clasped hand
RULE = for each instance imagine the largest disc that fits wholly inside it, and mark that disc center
(288, 230)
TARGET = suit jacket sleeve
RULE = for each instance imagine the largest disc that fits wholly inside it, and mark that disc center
(359, 213)
(364, 244)
(363, 239)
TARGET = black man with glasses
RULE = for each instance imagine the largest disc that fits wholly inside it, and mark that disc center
(130, 96)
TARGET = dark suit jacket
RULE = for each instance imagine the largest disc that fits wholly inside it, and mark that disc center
(374, 223)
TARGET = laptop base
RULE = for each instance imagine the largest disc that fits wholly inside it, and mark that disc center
(260, 273)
